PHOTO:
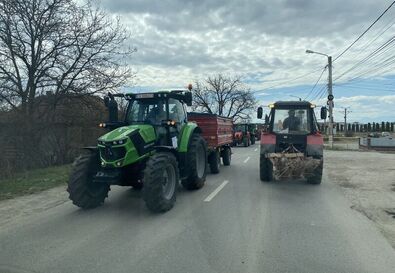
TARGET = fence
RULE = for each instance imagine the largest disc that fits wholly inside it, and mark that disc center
(339, 128)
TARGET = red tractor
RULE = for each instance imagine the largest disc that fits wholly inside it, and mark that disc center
(242, 135)
(292, 145)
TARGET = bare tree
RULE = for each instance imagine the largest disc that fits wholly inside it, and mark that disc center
(60, 47)
(224, 95)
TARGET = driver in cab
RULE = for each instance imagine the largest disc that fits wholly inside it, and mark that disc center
(291, 123)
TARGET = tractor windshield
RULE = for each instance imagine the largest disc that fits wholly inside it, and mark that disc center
(151, 111)
(241, 127)
(291, 121)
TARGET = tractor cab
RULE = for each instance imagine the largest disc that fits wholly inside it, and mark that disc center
(164, 111)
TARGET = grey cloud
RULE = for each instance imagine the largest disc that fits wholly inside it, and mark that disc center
(291, 17)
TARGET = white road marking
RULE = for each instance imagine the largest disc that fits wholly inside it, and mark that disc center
(248, 158)
(216, 191)
(256, 149)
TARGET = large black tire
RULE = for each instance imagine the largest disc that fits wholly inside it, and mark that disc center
(316, 177)
(160, 178)
(226, 156)
(197, 151)
(265, 169)
(82, 190)
(214, 160)
(245, 141)
(252, 140)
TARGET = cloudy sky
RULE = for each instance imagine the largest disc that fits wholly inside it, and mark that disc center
(180, 41)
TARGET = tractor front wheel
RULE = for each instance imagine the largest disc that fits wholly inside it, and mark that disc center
(82, 190)
(197, 163)
(160, 180)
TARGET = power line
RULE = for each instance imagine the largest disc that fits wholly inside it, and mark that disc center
(360, 36)
(319, 78)
(376, 53)
(287, 81)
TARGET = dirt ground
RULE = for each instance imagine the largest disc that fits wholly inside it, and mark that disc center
(368, 180)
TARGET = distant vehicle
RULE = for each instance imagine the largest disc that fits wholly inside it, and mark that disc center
(292, 146)
(386, 134)
(244, 134)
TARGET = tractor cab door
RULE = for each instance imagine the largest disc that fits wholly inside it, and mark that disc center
(178, 115)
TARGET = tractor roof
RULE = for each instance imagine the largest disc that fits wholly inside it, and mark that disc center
(180, 94)
(160, 91)
(291, 104)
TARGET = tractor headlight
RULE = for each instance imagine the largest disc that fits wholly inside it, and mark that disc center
(119, 142)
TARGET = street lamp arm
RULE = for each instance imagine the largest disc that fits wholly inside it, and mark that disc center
(308, 51)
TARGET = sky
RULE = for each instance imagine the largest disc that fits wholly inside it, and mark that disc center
(181, 41)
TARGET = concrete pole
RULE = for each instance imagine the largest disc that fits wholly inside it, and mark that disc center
(330, 102)
(345, 121)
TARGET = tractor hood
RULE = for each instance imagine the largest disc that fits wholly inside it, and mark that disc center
(147, 132)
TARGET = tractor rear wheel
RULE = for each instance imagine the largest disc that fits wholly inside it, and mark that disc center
(226, 156)
(214, 161)
(82, 190)
(197, 163)
(316, 177)
(265, 169)
(160, 180)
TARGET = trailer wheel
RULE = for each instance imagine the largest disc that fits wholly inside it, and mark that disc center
(316, 177)
(197, 163)
(214, 161)
(265, 169)
(226, 156)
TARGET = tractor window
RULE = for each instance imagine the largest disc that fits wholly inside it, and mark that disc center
(147, 111)
(240, 127)
(176, 111)
(296, 121)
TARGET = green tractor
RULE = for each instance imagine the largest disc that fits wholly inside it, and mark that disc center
(153, 149)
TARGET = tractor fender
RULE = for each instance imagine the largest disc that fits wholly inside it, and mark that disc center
(90, 148)
(170, 149)
(187, 131)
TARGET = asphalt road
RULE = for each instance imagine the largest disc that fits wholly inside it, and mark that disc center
(234, 224)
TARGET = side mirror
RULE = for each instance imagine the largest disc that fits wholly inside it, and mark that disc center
(266, 119)
(112, 106)
(323, 112)
(106, 101)
(188, 98)
(259, 112)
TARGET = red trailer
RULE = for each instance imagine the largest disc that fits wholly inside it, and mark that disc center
(218, 133)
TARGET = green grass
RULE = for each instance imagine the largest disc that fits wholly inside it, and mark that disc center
(33, 181)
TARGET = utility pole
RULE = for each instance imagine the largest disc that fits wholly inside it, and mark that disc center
(346, 111)
(330, 94)
(330, 101)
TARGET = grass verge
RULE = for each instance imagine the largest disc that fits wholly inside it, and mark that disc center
(33, 181)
